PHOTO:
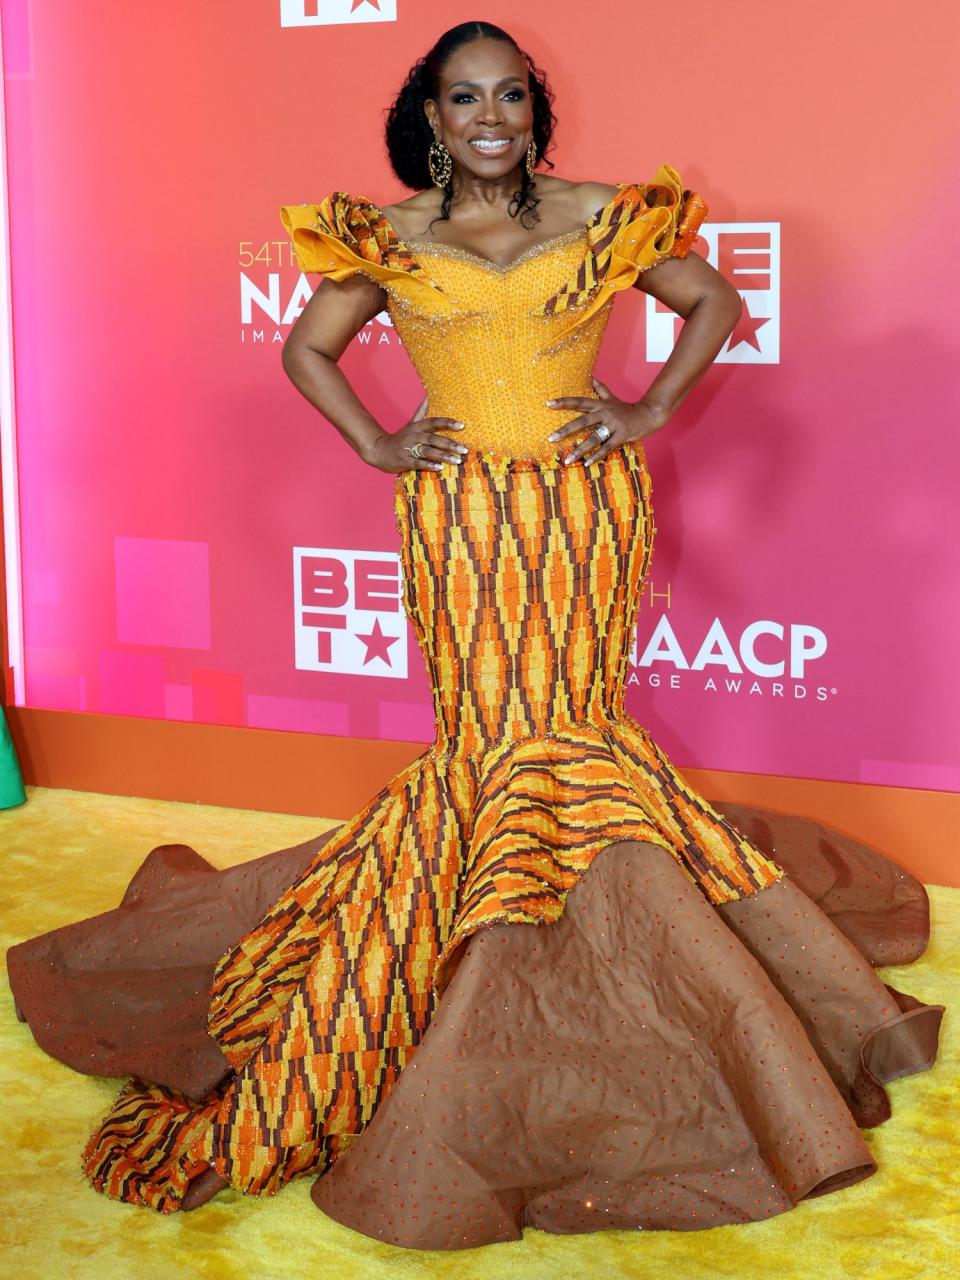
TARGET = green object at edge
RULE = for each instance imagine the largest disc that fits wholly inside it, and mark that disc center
(11, 779)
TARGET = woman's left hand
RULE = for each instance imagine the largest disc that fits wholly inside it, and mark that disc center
(625, 421)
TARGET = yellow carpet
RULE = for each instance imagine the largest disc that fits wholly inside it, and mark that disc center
(69, 854)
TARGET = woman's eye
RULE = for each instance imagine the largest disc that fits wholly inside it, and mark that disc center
(468, 97)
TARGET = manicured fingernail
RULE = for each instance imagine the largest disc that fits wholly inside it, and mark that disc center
(552, 435)
(551, 402)
(458, 425)
(568, 459)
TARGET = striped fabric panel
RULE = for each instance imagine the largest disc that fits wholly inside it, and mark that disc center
(363, 228)
(547, 807)
(523, 583)
(141, 1152)
(256, 979)
(628, 211)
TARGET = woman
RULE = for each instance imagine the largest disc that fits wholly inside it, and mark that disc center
(699, 1033)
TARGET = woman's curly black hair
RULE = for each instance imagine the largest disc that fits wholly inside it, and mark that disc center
(408, 132)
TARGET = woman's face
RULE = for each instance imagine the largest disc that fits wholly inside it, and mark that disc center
(483, 113)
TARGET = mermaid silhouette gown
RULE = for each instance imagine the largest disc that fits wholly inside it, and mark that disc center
(695, 1036)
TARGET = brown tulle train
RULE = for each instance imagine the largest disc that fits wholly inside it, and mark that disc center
(648, 1060)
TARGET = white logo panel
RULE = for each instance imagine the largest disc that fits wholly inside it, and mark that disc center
(348, 612)
(325, 13)
(791, 649)
(268, 306)
(748, 254)
(764, 659)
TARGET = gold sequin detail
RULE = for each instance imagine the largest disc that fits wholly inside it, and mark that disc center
(490, 364)
(437, 247)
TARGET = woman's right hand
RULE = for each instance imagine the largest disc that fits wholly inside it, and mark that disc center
(389, 452)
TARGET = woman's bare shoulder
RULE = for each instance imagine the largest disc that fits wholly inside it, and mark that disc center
(581, 198)
(409, 217)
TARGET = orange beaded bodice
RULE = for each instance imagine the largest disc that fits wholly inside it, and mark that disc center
(493, 343)
(494, 362)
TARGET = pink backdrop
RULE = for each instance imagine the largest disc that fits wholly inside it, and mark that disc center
(198, 543)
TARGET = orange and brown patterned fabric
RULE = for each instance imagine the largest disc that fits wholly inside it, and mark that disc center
(641, 225)
(331, 236)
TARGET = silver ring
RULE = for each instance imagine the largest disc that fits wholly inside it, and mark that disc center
(602, 432)
(415, 449)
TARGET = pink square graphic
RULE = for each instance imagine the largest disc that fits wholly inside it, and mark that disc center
(407, 721)
(907, 773)
(55, 679)
(131, 683)
(218, 696)
(43, 586)
(56, 691)
(298, 715)
(49, 659)
(178, 701)
(162, 592)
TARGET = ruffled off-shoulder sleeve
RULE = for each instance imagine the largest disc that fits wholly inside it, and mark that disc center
(344, 234)
(642, 225)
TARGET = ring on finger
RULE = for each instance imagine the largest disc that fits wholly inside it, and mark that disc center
(415, 449)
(602, 432)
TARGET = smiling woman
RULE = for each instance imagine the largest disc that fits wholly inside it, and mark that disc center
(494, 106)
(698, 1033)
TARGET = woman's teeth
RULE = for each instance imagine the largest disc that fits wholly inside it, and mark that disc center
(491, 147)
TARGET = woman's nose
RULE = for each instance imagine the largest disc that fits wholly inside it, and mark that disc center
(490, 113)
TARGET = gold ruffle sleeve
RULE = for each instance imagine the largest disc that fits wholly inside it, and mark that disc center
(643, 224)
(344, 234)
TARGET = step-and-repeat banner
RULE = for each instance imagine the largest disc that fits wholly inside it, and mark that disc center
(198, 543)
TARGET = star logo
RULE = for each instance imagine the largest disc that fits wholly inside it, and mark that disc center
(377, 643)
(310, 13)
(746, 330)
(748, 255)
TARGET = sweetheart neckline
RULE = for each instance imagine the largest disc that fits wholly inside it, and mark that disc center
(499, 267)
(440, 250)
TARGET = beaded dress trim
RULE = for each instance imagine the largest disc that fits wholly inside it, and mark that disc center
(439, 249)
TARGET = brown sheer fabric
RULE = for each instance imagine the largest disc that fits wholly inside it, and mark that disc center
(649, 1060)
(127, 992)
(882, 909)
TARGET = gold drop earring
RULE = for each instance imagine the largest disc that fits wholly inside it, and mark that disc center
(531, 158)
(440, 163)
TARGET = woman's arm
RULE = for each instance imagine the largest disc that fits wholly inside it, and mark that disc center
(334, 315)
(331, 319)
(710, 307)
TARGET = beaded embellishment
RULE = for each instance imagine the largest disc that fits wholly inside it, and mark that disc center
(439, 249)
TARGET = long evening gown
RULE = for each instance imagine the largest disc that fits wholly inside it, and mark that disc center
(695, 1037)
